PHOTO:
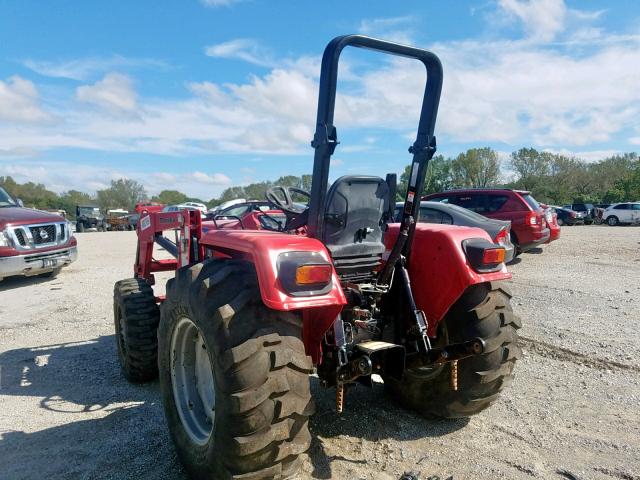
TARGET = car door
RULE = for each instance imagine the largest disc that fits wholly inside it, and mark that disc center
(635, 212)
(623, 212)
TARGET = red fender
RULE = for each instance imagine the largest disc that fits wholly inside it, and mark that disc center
(262, 248)
(438, 267)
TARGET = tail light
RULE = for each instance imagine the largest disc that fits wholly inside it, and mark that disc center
(532, 218)
(304, 273)
(501, 237)
(313, 274)
(484, 256)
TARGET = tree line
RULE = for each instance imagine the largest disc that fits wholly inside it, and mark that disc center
(552, 178)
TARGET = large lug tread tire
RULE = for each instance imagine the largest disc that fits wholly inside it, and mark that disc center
(483, 311)
(136, 311)
(261, 374)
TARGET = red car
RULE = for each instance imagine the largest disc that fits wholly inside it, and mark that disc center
(529, 227)
(551, 217)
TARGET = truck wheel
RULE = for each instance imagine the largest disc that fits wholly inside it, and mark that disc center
(80, 227)
(483, 311)
(612, 221)
(233, 375)
(136, 317)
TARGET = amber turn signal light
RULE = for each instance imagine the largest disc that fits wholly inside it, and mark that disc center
(493, 256)
(313, 274)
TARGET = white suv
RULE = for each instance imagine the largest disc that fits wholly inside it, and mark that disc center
(627, 212)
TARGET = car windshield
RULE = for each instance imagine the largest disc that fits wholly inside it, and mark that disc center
(89, 211)
(5, 199)
(531, 201)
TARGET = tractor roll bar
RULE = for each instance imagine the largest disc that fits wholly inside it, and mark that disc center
(325, 139)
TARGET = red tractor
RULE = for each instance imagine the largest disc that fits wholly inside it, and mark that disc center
(336, 289)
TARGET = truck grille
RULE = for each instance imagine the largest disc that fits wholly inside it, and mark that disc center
(30, 237)
(43, 234)
(20, 236)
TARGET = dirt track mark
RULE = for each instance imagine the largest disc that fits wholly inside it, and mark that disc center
(548, 350)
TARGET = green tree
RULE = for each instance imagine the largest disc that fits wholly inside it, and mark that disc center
(170, 197)
(476, 168)
(437, 178)
(123, 193)
(530, 167)
(69, 200)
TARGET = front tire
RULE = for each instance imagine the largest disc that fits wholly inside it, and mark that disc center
(612, 221)
(136, 317)
(483, 311)
(236, 398)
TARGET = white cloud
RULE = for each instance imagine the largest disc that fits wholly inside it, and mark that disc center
(246, 49)
(84, 68)
(589, 156)
(114, 92)
(215, 179)
(516, 92)
(90, 178)
(541, 19)
(19, 101)
(397, 29)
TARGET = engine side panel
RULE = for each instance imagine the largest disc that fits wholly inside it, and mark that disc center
(439, 269)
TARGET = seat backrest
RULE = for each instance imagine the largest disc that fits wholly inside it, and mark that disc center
(356, 206)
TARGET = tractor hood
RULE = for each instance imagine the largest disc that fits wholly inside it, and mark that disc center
(22, 216)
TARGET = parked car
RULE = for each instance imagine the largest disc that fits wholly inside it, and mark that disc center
(622, 213)
(33, 242)
(528, 226)
(587, 209)
(438, 212)
(253, 214)
(551, 217)
(569, 217)
(224, 205)
(186, 205)
(89, 216)
(148, 207)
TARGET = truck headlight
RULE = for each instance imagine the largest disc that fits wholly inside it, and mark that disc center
(4, 239)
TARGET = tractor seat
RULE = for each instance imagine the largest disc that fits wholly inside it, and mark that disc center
(356, 206)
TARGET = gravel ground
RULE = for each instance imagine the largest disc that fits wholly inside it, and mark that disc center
(573, 410)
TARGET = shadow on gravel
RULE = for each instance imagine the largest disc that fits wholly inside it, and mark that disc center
(368, 414)
(12, 283)
(535, 251)
(109, 428)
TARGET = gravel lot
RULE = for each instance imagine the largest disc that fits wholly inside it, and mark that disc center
(574, 408)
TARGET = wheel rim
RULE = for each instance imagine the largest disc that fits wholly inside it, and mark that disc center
(192, 381)
(611, 221)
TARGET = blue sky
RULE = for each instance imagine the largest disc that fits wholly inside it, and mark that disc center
(202, 94)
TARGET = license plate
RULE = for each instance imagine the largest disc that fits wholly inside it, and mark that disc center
(49, 262)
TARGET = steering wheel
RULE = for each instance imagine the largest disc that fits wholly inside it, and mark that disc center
(282, 198)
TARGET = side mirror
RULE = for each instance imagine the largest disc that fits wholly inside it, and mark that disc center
(20, 202)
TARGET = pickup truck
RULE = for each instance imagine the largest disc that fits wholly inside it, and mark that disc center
(33, 242)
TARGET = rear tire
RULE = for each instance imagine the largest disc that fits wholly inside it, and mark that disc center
(612, 221)
(136, 317)
(483, 311)
(560, 222)
(257, 367)
(79, 227)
